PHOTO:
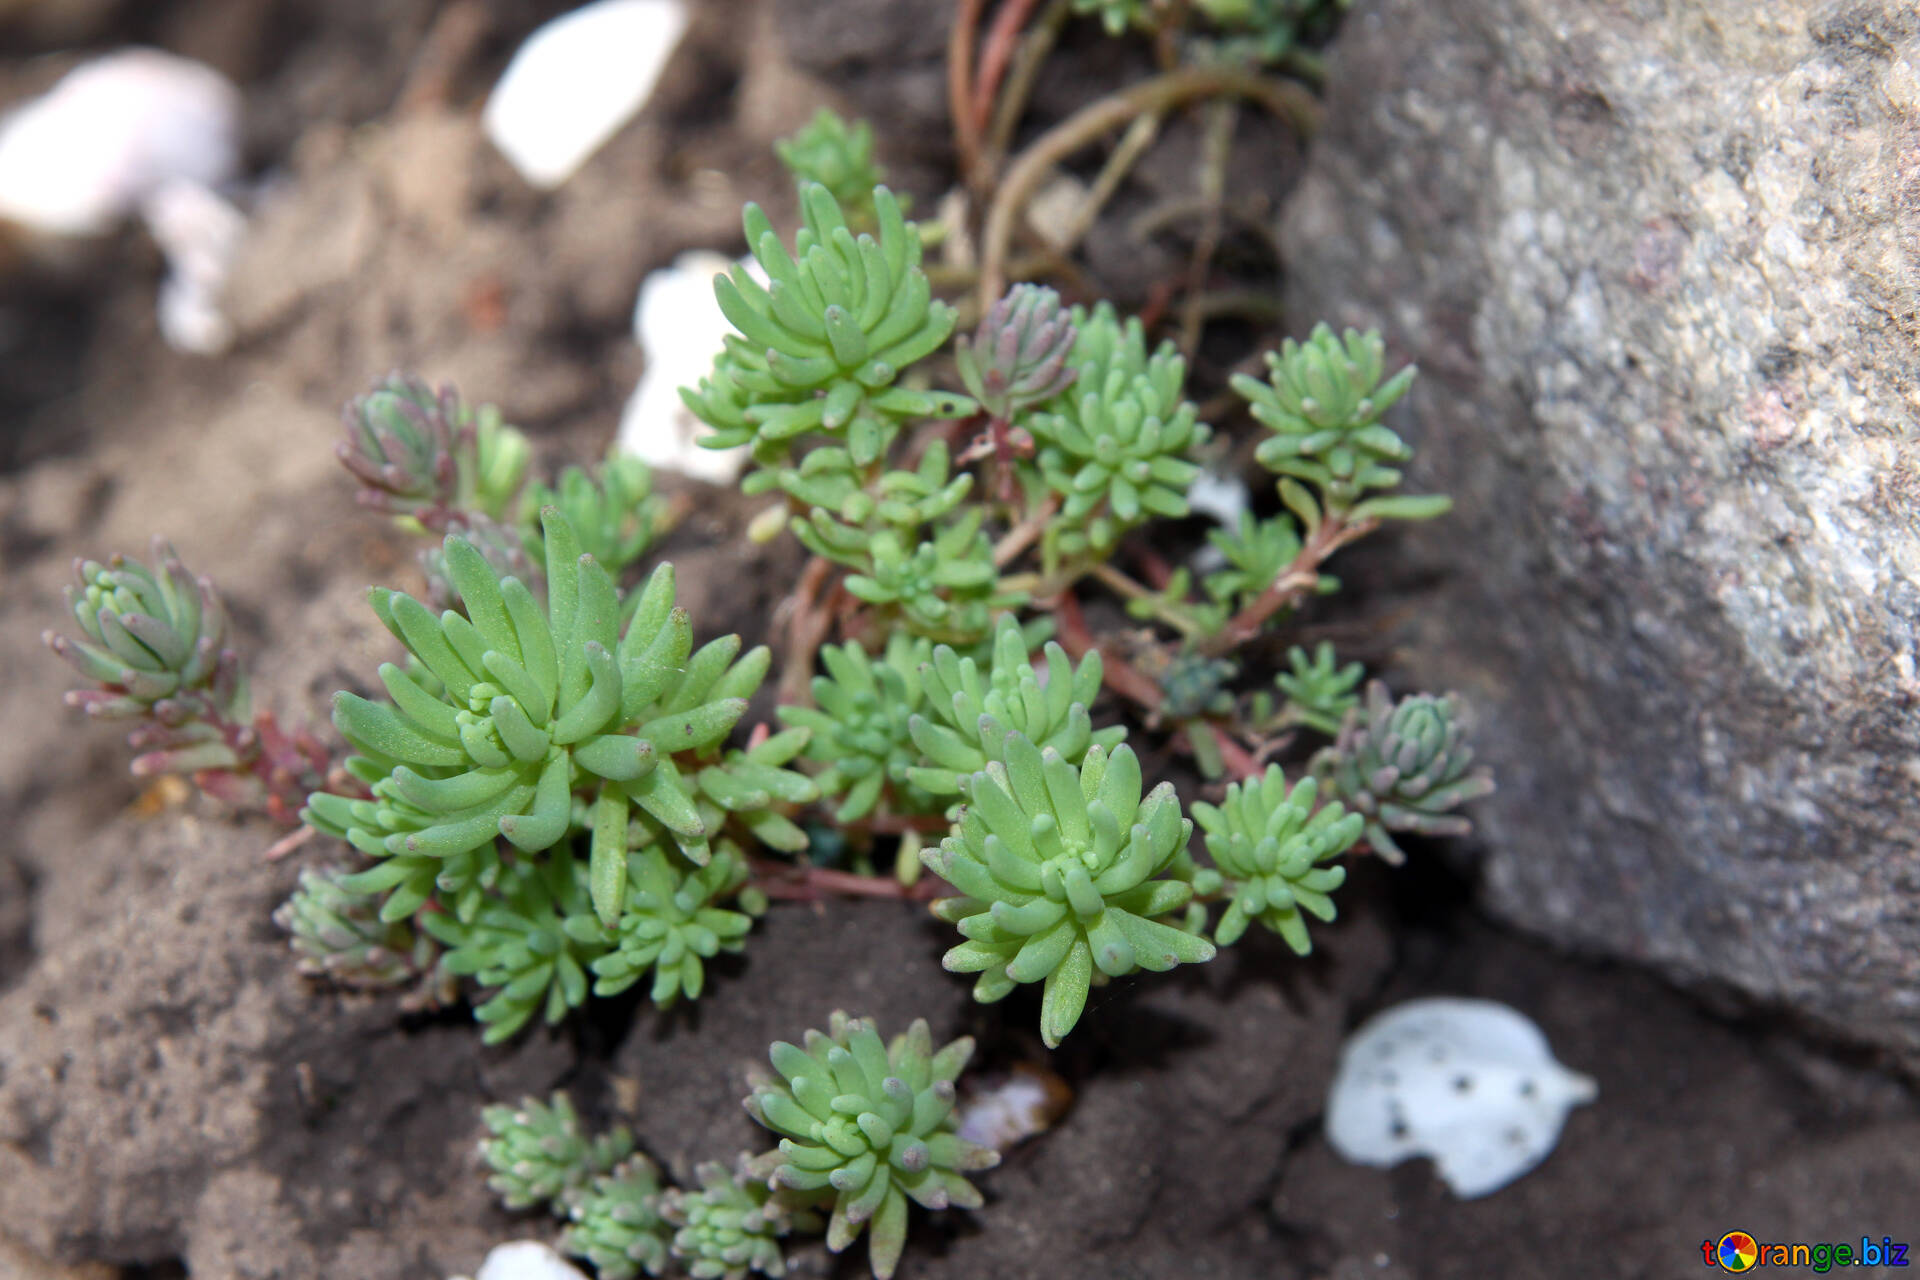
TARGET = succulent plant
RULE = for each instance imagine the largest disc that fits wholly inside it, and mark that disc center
(1323, 400)
(1019, 354)
(672, 921)
(872, 1124)
(1059, 870)
(860, 727)
(1257, 552)
(733, 1224)
(615, 1222)
(1115, 444)
(157, 641)
(427, 456)
(1268, 843)
(945, 588)
(820, 347)
(1196, 685)
(500, 545)
(612, 510)
(540, 1155)
(1403, 766)
(531, 705)
(339, 935)
(518, 943)
(969, 712)
(838, 156)
(1319, 691)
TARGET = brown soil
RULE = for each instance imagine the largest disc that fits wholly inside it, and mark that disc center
(175, 1100)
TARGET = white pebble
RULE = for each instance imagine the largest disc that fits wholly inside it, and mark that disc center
(577, 80)
(84, 155)
(199, 232)
(1470, 1083)
(680, 328)
(526, 1260)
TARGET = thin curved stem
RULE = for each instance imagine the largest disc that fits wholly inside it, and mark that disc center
(960, 41)
(1160, 94)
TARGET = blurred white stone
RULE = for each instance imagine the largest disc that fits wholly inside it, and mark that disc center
(1471, 1083)
(84, 155)
(577, 80)
(199, 232)
(525, 1260)
(680, 329)
(1222, 498)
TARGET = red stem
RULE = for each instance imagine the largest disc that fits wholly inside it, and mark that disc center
(1002, 39)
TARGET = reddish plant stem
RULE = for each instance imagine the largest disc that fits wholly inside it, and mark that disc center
(807, 883)
(1003, 37)
(1024, 534)
(966, 134)
(807, 627)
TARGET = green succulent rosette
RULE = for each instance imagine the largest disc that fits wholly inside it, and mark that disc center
(426, 456)
(733, 1224)
(1319, 691)
(672, 922)
(613, 511)
(820, 347)
(1061, 870)
(1323, 399)
(860, 728)
(1115, 445)
(615, 1222)
(1268, 842)
(1019, 354)
(338, 935)
(969, 712)
(530, 706)
(870, 1124)
(518, 945)
(539, 1154)
(1403, 766)
(838, 156)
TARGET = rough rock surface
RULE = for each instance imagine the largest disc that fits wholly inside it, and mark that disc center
(1659, 261)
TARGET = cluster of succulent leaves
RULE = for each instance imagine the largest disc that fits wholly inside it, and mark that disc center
(864, 1126)
(838, 156)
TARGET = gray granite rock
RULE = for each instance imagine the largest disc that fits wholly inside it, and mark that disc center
(1659, 261)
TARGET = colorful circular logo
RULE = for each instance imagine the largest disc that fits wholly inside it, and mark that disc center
(1737, 1251)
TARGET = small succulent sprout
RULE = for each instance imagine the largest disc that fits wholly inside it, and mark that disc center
(860, 728)
(672, 922)
(338, 935)
(1319, 691)
(753, 787)
(1323, 400)
(1404, 766)
(518, 943)
(501, 546)
(1115, 444)
(1195, 685)
(1061, 870)
(944, 588)
(838, 156)
(1019, 354)
(1268, 842)
(1257, 552)
(613, 511)
(539, 1154)
(733, 1224)
(846, 515)
(820, 347)
(155, 640)
(969, 712)
(615, 1222)
(530, 706)
(872, 1125)
(427, 456)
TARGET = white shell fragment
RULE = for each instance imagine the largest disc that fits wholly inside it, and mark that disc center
(526, 1260)
(1470, 1083)
(577, 80)
(680, 328)
(199, 232)
(84, 155)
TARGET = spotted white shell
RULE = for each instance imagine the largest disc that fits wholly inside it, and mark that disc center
(1470, 1083)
